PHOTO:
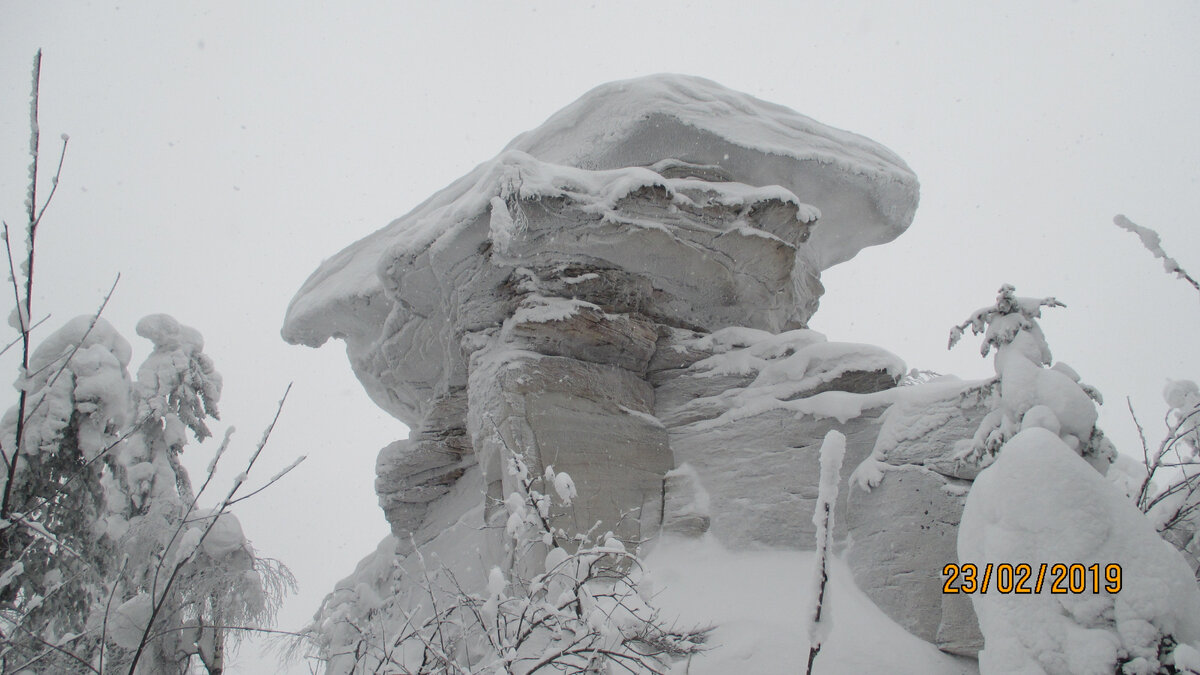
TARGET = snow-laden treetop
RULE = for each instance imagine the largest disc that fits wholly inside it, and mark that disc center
(865, 194)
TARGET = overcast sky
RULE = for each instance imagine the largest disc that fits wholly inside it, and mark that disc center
(220, 150)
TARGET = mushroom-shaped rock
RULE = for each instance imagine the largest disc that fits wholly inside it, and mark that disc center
(516, 312)
(688, 200)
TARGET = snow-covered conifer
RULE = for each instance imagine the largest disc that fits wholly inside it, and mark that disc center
(77, 407)
(1027, 378)
(105, 566)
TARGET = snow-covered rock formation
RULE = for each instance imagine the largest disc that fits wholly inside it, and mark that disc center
(521, 308)
(622, 295)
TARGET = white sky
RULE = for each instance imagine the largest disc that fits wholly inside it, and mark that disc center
(220, 150)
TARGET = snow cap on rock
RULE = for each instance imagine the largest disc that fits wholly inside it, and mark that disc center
(867, 195)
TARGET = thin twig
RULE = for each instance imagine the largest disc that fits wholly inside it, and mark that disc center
(62, 155)
(274, 479)
(22, 396)
(57, 648)
(15, 340)
(1145, 454)
(108, 609)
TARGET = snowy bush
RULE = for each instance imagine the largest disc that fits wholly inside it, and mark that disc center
(104, 515)
(1168, 489)
(585, 607)
(1040, 503)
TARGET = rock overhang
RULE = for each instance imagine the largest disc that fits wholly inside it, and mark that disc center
(696, 192)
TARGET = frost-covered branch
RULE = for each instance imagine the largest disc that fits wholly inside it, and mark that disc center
(1153, 243)
(583, 609)
(272, 480)
(816, 620)
(1169, 492)
(1002, 321)
(160, 599)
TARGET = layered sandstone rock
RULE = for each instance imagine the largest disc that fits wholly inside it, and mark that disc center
(623, 295)
(519, 311)
(904, 506)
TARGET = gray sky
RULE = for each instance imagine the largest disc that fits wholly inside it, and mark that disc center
(220, 150)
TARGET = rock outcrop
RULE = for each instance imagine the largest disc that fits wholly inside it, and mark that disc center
(533, 306)
(689, 200)
(747, 410)
(623, 295)
(904, 506)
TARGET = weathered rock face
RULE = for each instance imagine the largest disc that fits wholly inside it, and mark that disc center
(745, 414)
(904, 506)
(713, 231)
(518, 312)
(905, 531)
(592, 421)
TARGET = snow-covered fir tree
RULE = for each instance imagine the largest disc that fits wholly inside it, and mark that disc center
(105, 532)
(1029, 382)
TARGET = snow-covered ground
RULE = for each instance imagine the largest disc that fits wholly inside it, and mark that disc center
(756, 599)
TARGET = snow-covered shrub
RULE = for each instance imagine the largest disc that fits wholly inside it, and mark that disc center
(1040, 504)
(1168, 487)
(584, 608)
(1028, 383)
(103, 513)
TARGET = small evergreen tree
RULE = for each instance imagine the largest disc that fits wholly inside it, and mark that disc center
(78, 400)
(106, 564)
(1030, 387)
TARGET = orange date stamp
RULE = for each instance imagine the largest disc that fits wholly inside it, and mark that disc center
(1022, 578)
